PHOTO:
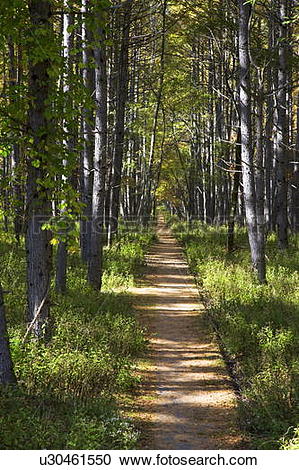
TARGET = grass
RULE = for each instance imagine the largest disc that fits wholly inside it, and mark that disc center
(258, 327)
(67, 390)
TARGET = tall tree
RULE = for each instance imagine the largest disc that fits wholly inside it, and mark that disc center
(282, 142)
(256, 243)
(38, 247)
(100, 156)
(86, 174)
(121, 100)
(68, 141)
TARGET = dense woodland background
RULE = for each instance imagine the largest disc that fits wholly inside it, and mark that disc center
(109, 110)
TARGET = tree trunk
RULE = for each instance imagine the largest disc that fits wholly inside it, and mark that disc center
(88, 139)
(234, 197)
(282, 130)
(7, 375)
(295, 192)
(38, 246)
(257, 250)
(14, 80)
(100, 159)
(61, 258)
(121, 99)
(260, 177)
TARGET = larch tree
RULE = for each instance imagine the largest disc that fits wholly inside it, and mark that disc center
(95, 260)
(68, 141)
(248, 174)
(119, 131)
(282, 141)
(87, 131)
(40, 128)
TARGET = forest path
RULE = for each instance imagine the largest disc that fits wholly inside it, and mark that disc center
(186, 401)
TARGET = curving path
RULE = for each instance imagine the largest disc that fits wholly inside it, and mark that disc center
(186, 401)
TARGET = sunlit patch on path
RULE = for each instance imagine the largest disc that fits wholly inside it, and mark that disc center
(193, 405)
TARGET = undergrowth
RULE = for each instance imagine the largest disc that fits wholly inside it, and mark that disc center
(258, 326)
(67, 389)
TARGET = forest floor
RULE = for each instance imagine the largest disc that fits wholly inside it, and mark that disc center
(186, 400)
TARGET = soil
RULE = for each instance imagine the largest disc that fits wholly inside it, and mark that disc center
(186, 399)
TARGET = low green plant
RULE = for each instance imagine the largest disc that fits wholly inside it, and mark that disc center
(258, 324)
(290, 441)
(67, 389)
(41, 422)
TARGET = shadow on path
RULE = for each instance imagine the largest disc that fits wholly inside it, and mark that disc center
(192, 404)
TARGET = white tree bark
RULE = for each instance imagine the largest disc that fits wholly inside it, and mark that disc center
(256, 246)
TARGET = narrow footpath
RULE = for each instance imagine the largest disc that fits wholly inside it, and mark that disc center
(186, 400)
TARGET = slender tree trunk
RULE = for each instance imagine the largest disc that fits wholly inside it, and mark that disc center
(14, 80)
(295, 195)
(61, 258)
(86, 179)
(38, 246)
(7, 375)
(234, 197)
(269, 157)
(61, 267)
(282, 131)
(260, 176)
(257, 251)
(121, 98)
(100, 159)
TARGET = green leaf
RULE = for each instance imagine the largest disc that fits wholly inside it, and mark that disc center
(35, 163)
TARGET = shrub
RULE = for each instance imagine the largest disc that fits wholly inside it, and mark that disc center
(68, 387)
(258, 325)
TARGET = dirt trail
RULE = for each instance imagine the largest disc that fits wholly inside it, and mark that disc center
(186, 401)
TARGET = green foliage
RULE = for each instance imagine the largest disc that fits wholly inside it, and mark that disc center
(33, 422)
(89, 430)
(291, 443)
(67, 390)
(125, 258)
(258, 325)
